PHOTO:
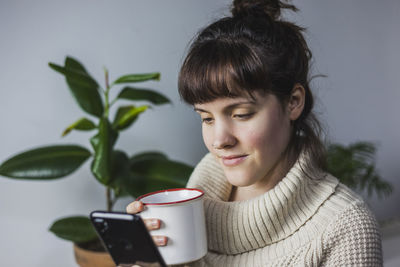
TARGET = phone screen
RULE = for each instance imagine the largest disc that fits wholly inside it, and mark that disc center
(126, 238)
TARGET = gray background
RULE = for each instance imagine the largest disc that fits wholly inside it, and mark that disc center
(354, 42)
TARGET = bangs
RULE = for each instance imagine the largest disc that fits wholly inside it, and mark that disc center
(219, 69)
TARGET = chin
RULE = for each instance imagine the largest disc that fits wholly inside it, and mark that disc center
(238, 180)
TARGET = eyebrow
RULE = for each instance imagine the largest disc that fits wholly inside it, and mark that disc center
(229, 107)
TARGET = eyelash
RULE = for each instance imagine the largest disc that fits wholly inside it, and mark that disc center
(243, 116)
(238, 116)
(206, 120)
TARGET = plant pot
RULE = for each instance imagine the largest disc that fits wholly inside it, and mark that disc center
(89, 258)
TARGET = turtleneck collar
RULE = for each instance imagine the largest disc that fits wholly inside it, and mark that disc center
(240, 226)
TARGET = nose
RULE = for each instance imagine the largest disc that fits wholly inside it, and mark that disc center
(223, 136)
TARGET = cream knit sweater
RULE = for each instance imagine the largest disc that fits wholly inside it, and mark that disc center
(305, 220)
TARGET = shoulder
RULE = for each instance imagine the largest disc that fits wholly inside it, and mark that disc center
(353, 236)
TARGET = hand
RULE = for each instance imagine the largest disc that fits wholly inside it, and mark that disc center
(151, 224)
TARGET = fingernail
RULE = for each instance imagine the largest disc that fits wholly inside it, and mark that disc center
(161, 240)
(155, 223)
(138, 205)
(129, 209)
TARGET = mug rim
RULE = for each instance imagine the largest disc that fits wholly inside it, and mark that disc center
(170, 190)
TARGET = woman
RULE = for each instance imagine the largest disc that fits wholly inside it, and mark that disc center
(268, 201)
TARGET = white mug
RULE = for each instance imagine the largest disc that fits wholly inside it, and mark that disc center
(183, 222)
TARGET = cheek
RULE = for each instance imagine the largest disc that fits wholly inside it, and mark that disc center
(207, 138)
(272, 138)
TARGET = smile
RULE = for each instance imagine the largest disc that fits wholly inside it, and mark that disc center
(231, 161)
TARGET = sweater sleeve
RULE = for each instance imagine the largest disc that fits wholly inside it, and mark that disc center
(353, 239)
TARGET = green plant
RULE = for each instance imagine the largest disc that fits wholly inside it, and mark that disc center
(354, 165)
(120, 174)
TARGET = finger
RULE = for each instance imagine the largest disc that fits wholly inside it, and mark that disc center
(160, 241)
(152, 224)
(134, 207)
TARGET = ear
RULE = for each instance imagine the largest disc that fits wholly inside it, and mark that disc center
(296, 102)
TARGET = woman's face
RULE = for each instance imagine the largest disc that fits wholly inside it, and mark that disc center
(248, 136)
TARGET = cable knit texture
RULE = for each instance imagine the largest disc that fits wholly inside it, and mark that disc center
(307, 219)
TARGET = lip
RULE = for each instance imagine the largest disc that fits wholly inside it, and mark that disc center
(233, 160)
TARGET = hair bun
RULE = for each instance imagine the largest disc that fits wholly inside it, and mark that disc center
(271, 8)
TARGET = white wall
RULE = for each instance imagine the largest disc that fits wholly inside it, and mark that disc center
(355, 43)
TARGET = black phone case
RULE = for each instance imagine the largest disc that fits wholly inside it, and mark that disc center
(126, 238)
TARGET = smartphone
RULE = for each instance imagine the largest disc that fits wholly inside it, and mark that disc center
(126, 238)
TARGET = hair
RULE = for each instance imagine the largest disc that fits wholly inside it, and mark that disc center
(254, 50)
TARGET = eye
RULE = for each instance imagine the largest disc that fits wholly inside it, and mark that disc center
(243, 116)
(207, 120)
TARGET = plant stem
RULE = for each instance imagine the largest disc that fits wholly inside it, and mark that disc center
(109, 199)
(107, 104)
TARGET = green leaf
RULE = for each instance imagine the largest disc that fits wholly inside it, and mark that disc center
(74, 64)
(148, 155)
(120, 172)
(82, 124)
(45, 163)
(162, 170)
(129, 184)
(354, 165)
(140, 94)
(134, 78)
(83, 87)
(126, 115)
(157, 174)
(103, 144)
(77, 229)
